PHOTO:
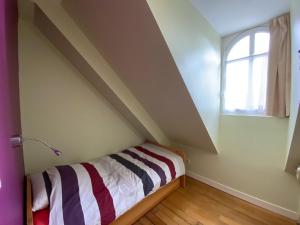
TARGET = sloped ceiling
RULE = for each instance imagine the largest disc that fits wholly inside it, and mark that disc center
(61, 30)
(126, 34)
(229, 16)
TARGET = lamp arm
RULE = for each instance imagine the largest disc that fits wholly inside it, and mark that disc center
(54, 150)
(37, 140)
(17, 141)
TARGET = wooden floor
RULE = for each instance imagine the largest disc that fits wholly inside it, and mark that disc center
(200, 204)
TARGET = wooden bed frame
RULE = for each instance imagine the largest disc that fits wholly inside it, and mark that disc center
(136, 212)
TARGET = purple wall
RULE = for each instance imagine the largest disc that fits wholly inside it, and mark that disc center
(11, 159)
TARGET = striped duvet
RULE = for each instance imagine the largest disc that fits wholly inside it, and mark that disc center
(100, 191)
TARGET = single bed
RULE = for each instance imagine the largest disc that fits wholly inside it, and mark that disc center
(136, 179)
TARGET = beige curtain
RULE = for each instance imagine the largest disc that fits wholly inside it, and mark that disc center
(279, 69)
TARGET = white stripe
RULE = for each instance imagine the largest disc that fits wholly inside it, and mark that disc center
(88, 201)
(152, 174)
(161, 164)
(176, 159)
(56, 210)
(124, 186)
(40, 197)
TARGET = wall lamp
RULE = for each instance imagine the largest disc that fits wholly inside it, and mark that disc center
(18, 141)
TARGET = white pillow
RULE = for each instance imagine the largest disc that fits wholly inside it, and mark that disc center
(41, 190)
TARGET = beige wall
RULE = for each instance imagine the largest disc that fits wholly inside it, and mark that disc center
(103, 73)
(195, 47)
(251, 159)
(59, 105)
(293, 158)
(295, 38)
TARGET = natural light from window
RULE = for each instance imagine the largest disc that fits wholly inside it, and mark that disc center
(246, 66)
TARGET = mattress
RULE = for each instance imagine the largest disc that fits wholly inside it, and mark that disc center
(100, 191)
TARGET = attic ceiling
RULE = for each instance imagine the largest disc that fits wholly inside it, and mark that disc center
(127, 35)
(229, 16)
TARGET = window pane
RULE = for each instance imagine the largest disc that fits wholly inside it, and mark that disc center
(240, 49)
(261, 45)
(236, 85)
(259, 83)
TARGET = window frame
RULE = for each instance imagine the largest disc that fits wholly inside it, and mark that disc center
(226, 50)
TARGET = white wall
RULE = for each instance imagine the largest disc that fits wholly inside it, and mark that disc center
(251, 159)
(59, 105)
(195, 47)
(293, 157)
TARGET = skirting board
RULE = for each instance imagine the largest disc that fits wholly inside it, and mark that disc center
(251, 199)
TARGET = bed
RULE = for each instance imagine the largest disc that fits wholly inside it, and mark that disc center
(134, 180)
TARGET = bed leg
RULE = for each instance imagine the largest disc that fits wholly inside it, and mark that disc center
(182, 181)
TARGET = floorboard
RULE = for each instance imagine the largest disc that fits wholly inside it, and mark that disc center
(200, 204)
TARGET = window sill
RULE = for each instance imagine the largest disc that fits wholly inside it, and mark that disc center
(245, 115)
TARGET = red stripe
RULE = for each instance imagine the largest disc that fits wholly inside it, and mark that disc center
(102, 195)
(161, 158)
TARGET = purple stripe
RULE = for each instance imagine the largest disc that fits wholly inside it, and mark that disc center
(150, 164)
(48, 184)
(169, 162)
(142, 174)
(72, 210)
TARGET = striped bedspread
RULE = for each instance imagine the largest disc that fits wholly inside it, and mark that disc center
(100, 191)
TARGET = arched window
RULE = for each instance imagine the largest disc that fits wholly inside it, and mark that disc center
(245, 73)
